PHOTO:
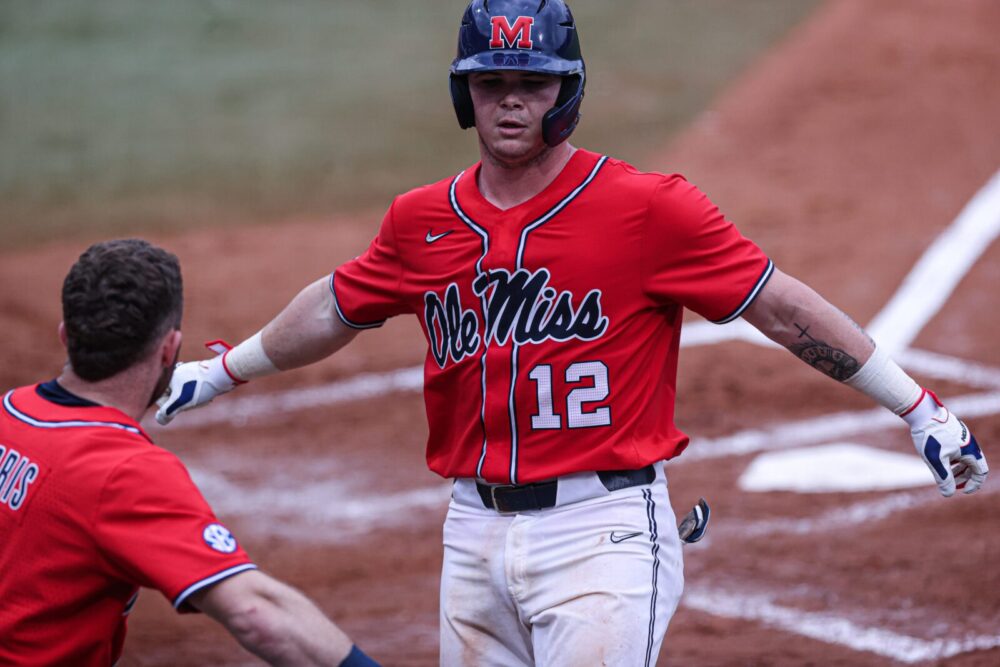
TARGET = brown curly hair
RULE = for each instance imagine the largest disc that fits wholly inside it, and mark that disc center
(119, 299)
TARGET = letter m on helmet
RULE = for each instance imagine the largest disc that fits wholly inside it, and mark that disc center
(505, 35)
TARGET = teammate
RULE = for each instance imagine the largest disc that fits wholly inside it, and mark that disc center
(90, 509)
(550, 282)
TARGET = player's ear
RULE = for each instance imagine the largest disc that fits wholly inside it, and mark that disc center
(62, 334)
(171, 347)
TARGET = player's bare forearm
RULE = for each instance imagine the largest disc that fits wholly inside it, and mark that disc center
(793, 315)
(274, 621)
(307, 330)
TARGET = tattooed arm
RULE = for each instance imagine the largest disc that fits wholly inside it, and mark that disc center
(793, 315)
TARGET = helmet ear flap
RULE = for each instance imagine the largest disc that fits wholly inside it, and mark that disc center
(461, 98)
(560, 121)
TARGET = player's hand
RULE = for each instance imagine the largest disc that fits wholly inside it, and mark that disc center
(196, 383)
(951, 452)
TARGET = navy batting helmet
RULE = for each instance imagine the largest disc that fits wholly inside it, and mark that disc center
(525, 35)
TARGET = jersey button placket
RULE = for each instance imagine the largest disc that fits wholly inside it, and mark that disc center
(500, 438)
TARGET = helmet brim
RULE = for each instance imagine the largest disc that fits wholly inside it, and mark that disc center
(514, 59)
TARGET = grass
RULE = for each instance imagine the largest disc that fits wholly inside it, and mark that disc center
(118, 117)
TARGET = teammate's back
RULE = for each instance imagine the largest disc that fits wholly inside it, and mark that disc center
(62, 463)
(91, 510)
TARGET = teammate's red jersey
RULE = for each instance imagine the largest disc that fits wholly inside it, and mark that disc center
(553, 326)
(90, 510)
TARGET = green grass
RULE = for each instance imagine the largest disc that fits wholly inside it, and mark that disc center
(118, 116)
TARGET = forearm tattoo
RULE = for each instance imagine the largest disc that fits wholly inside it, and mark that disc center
(829, 360)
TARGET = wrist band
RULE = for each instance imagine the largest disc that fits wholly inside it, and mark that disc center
(886, 383)
(248, 360)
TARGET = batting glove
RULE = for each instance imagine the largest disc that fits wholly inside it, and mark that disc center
(948, 448)
(693, 526)
(196, 383)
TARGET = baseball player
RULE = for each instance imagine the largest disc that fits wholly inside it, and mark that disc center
(91, 509)
(550, 283)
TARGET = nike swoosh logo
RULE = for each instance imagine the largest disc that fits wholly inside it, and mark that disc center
(431, 238)
(621, 537)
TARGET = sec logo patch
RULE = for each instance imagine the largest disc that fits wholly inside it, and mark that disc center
(219, 538)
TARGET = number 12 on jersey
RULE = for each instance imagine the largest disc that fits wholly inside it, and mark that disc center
(576, 415)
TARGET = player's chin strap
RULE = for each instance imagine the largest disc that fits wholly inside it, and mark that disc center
(693, 526)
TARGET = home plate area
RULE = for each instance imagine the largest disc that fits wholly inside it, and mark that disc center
(839, 467)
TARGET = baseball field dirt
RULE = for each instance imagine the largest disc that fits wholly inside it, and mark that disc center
(844, 152)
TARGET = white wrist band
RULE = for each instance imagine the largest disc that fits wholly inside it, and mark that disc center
(886, 383)
(248, 359)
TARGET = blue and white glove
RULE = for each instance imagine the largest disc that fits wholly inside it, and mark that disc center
(196, 383)
(693, 526)
(947, 446)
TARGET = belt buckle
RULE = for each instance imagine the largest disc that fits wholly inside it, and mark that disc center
(493, 495)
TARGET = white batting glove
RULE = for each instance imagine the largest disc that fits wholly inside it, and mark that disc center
(947, 446)
(196, 383)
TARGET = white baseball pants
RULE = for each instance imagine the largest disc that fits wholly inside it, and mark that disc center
(590, 582)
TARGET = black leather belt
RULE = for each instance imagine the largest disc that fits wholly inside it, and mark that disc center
(537, 496)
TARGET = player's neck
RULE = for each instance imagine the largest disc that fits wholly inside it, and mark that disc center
(507, 186)
(125, 391)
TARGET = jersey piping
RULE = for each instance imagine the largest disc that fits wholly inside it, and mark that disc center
(758, 286)
(555, 209)
(519, 258)
(453, 200)
(71, 423)
(208, 581)
(131, 603)
(344, 318)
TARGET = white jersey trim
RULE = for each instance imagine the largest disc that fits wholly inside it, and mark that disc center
(758, 286)
(555, 209)
(522, 243)
(344, 318)
(453, 200)
(72, 423)
(209, 581)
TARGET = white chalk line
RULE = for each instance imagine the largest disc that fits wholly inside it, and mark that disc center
(243, 410)
(867, 511)
(826, 428)
(839, 518)
(833, 629)
(933, 278)
(313, 504)
(942, 367)
(239, 411)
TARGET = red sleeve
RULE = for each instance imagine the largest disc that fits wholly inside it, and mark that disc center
(693, 256)
(366, 290)
(156, 530)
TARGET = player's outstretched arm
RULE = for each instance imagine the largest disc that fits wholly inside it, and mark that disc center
(306, 331)
(277, 623)
(793, 315)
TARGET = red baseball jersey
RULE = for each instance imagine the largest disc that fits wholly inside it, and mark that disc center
(90, 510)
(553, 326)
